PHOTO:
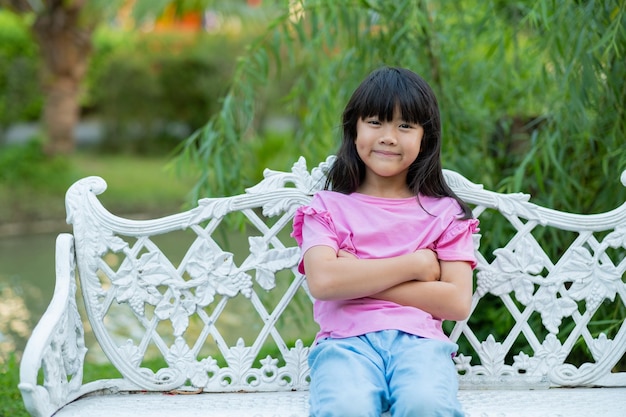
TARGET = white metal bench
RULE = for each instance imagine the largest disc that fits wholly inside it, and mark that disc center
(230, 321)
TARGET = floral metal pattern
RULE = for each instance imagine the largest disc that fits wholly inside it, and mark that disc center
(550, 302)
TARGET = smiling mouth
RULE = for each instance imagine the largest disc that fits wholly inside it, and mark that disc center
(386, 153)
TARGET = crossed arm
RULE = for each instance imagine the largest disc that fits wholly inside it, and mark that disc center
(418, 279)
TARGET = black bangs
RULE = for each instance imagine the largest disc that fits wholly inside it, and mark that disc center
(388, 90)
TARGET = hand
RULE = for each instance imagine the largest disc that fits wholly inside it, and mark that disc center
(345, 254)
(427, 265)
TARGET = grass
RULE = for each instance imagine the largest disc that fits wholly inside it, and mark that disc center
(135, 185)
(11, 404)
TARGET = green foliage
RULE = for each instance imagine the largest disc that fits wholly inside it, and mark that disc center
(139, 87)
(105, 43)
(20, 95)
(152, 189)
(28, 177)
(29, 165)
(271, 151)
(96, 371)
(531, 93)
(26, 199)
(11, 404)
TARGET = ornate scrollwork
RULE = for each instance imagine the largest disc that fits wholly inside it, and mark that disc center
(167, 298)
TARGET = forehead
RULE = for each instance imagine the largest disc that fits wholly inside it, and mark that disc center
(391, 107)
(383, 114)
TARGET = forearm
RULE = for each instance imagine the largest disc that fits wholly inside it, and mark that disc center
(441, 299)
(332, 277)
(448, 299)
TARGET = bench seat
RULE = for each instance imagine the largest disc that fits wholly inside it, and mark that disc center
(555, 402)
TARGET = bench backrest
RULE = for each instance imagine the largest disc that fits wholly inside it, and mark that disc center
(187, 301)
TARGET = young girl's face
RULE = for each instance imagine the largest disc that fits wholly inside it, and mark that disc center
(387, 148)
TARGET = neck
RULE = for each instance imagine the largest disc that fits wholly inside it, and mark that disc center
(385, 189)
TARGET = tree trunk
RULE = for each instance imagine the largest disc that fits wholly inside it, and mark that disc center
(65, 44)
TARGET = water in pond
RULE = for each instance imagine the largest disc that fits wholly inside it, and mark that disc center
(26, 286)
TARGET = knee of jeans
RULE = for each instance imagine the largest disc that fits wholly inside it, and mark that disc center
(345, 407)
(344, 400)
(428, 405)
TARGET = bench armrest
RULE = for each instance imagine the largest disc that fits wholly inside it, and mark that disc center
(57, 345)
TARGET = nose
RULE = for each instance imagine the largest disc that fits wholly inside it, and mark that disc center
(388, 136)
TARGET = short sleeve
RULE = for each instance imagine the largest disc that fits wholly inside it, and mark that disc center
(457, 242)
(313, 226)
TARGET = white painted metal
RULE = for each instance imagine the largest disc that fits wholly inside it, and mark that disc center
(550, 302)
(556, 402)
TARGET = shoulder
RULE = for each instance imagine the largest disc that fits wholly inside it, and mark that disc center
(441, 206)
(322, 204)
(329, 198)
(450, 213)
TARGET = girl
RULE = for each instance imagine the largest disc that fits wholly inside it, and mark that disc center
(388, 254)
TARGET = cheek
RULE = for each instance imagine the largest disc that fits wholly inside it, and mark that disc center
(417, 147)
(360, 142)
(360, 150)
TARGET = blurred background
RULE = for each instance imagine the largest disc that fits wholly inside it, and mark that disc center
(173, 100)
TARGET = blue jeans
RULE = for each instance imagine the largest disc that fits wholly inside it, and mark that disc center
(388, 370)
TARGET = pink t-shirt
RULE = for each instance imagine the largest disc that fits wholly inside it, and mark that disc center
(374, 227)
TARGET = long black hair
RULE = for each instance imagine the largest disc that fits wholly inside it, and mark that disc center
(384, 90)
